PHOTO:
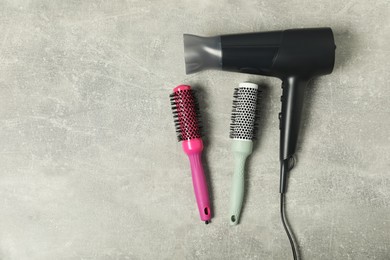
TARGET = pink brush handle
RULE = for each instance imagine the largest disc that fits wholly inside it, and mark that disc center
(193, 148)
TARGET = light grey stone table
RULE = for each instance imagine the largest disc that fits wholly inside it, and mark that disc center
(90, 167)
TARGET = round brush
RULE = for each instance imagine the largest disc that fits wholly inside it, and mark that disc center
(243, 130)
(186, 116)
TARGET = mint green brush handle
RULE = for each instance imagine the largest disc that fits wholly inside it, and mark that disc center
(241, 150)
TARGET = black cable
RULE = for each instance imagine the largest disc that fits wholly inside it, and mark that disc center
(286, 226)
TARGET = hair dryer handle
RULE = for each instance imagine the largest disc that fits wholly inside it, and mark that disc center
(289, 123)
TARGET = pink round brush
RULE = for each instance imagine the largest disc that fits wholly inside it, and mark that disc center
(185, 113)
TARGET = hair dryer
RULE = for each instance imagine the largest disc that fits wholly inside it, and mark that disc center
(295, 56)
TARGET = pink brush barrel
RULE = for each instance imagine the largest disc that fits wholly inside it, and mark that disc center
(185, 110)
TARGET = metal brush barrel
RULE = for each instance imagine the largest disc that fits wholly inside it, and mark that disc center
(244, 115)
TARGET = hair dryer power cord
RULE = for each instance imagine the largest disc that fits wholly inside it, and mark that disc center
(287, 228)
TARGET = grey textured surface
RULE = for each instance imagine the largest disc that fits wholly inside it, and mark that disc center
(89, 164)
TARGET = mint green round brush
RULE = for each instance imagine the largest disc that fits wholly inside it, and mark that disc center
(242, 130)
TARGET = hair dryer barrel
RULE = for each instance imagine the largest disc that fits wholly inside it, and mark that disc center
(296, 52)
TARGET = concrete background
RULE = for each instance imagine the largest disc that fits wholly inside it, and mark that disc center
(89, 163)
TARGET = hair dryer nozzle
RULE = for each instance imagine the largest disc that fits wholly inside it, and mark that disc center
(202, 53)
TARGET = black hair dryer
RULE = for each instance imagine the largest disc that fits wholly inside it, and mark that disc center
(295, 56)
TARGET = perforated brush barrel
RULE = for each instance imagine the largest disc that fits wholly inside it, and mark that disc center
(185, 110)
(244, 114)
